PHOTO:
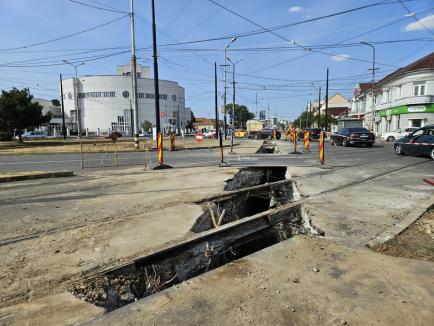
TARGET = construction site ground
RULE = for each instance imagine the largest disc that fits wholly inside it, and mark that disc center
(56, 232)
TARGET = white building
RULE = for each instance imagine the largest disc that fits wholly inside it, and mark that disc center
(105, 101)
(402, 99)
(54, 127)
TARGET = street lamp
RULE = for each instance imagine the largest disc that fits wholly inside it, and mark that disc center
(224, 93)
(77, 109)
(372, 83)
(233, 91)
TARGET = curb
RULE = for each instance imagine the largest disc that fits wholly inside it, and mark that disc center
(404, 224)
(35, 176)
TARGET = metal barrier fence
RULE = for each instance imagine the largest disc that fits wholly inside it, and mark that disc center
(102, 154)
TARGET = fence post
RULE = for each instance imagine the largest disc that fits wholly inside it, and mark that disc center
(116, 154)
(146, 155)
(172, 141)
(81, 158)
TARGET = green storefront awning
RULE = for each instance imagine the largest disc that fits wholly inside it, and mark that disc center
(405, 109)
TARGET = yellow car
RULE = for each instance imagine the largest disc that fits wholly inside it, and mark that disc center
(240, 133)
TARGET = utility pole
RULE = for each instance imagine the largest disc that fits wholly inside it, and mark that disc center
(372, 84)
(134, 77)
(215, 100)
(63, 109)
(319, 108)
(233, 87)
(224, 93)
(307, 115)
(75, 85)
(327, 102)
(256, 103)
(268, 111)
(310, 114)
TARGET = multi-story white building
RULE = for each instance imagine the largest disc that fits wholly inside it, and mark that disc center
(105, 101)
(402, 99)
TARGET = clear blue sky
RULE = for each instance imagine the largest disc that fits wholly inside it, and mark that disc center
(281, 80)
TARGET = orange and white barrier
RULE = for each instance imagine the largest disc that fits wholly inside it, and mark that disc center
(160, 147)
(306, 141)
(321, 147)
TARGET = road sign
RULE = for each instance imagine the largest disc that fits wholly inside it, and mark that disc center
(199, 137)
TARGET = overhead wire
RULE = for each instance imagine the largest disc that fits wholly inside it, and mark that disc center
(100, 8)
(65, 36)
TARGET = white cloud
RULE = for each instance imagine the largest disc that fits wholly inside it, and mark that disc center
(427, 21)
(296, 9)
(340, 57)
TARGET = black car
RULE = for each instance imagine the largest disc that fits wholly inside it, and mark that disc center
(314, 133)
(419, 142)
(353, 136)
(269, 134)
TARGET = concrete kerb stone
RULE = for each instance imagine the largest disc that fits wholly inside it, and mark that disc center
(404, 224)
(43, 175)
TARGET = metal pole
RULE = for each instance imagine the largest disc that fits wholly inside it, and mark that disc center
(215, 99)
(224, 94)
(77, 108)
(157, 91)
(233, 94)
(319, 108)
(307, 115)
(373, 88)
(63, 109)
(372, 84)
(327, 102)
(134, 77)
(310, 114)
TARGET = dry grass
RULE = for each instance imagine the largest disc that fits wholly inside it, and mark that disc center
(52, 146)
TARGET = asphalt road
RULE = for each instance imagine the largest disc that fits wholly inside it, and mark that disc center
(336, 156)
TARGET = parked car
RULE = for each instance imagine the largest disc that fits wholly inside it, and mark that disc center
(210, 134)
(113, 135)
(32, 135)
(269, 134)
(146, 134)
(419, 142)
(399, 133)
(353, 136)
(240, 133)
(409, 130)
(314, 133)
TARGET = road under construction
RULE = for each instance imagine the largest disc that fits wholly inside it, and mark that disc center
(271, 237)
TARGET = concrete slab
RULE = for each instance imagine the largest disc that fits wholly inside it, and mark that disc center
(278, 286)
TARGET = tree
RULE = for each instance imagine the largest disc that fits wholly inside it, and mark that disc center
(146, 125)
(242, 114)
(55, 102)
(312, 120)
(17, 113)
(190, 123)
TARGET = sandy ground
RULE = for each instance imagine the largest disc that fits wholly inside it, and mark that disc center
(101, 220)
(417, 241)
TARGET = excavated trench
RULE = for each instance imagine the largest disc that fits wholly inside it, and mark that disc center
(267, 147)
(262, 215)
(264, 188)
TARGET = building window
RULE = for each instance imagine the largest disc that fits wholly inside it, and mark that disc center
(125, 94)
(174, 98)
(419, 89)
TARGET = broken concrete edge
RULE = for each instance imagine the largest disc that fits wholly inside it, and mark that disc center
(262, 220)
(404, 224)
(228, 194)
(44, 175)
